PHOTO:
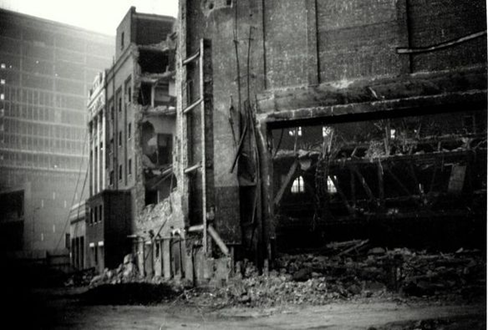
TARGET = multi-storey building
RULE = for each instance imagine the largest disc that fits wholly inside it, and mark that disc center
(320, 120)
(46, 71)
(131, 134)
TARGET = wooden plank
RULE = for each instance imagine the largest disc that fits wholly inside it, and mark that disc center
(285, 184)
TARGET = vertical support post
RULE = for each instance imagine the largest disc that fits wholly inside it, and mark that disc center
(206, 89)
(204, 145)
(353, 188)
(166, 255)
(140, 256)
(189, 268)
(265, 204)
(381, 186)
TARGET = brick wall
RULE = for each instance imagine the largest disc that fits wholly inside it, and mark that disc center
(436, 21)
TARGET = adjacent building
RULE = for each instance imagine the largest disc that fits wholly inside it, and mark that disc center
(131, 129)
(46, 72)
(306, 121)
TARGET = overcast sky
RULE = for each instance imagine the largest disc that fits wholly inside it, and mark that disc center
(97, 15)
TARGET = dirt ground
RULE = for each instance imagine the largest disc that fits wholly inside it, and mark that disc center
(61, 309)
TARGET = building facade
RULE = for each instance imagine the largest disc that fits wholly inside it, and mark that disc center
(46, 71)
(329, 112)
(132, 134)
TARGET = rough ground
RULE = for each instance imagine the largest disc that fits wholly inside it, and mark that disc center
(63, 311)
(347, 286)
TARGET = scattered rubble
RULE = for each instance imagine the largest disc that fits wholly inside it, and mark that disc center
(344, 270)
(349, 270)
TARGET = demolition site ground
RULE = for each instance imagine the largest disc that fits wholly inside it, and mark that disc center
(345, 285)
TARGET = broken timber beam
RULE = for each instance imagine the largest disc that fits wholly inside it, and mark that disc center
(364, 184)
(220, 243)
(343, 196)
(288, 178)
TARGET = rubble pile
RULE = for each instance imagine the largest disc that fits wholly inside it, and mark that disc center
(125, 273)
(152, 216)
(354, 270)
(80, 278)
(345, 270)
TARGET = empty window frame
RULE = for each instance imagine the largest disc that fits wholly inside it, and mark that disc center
(298, 186)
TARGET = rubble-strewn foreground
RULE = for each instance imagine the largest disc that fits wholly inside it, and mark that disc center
(340, 271)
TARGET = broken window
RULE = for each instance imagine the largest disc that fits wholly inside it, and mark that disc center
(153, 61)
(129, 131)
(120, 172)
(145, 94)
(162, 96)
(165, 148)
(151, 197)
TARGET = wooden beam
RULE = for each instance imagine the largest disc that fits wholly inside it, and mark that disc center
(285, 184)
(397, 180)
(432, 182)
(415, 179)
(220, 243)
(343, 196)
(364, 184)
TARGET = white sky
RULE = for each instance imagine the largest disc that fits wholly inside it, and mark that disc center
(98, 15)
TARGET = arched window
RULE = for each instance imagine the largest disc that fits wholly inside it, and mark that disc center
(298, 186)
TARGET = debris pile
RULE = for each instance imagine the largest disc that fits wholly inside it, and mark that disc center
(153, 216)
(125, 273)
(80, 278)
(345, 270)
(353, 269)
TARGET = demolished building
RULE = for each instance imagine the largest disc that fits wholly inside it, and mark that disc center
(131, 129)
(305, 121)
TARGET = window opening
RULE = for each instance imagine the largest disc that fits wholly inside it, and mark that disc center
(298, 186)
